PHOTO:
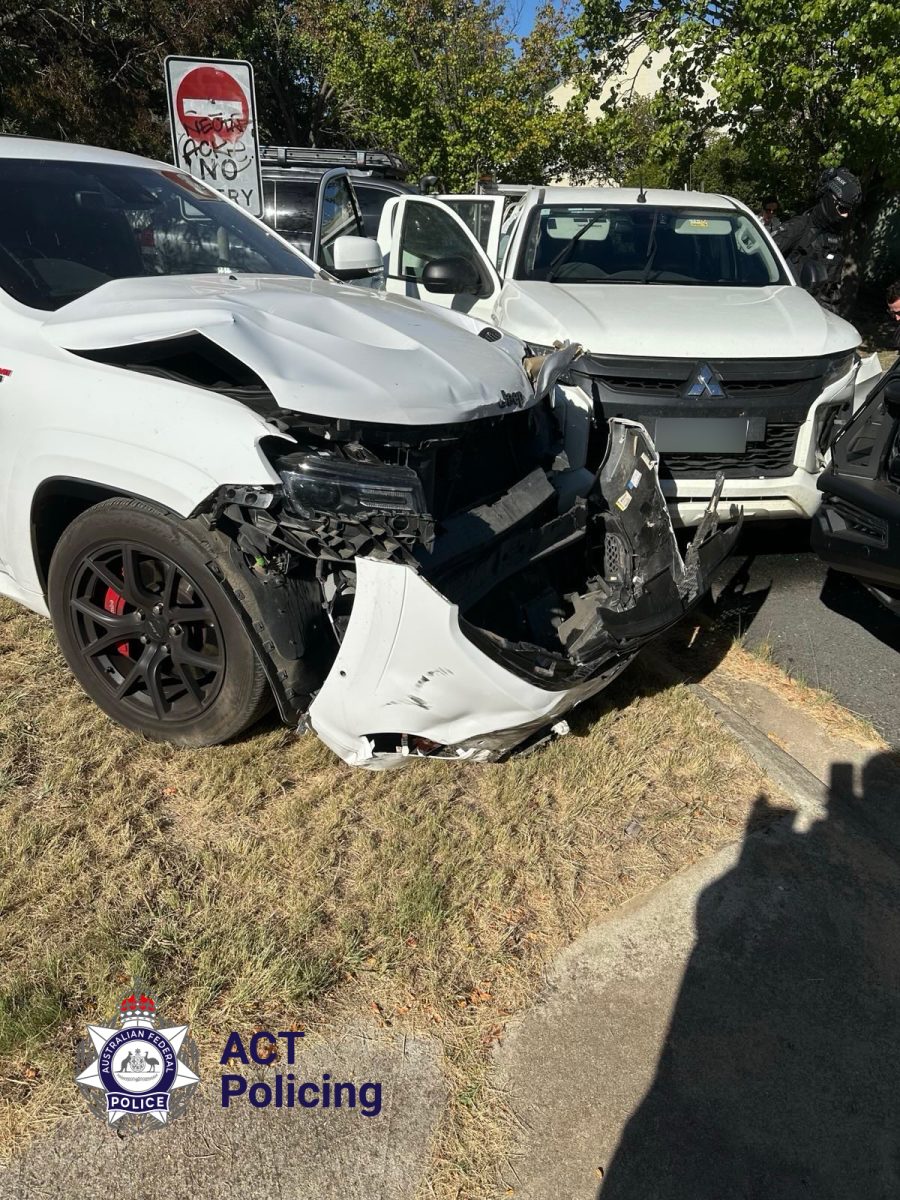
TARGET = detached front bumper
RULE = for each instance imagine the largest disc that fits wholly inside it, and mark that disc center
(417, 675)
(406, 671)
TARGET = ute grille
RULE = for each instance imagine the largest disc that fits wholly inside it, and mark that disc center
(673, 388)
(772, 458)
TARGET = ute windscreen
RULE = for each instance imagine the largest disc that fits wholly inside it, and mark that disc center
(594, 243)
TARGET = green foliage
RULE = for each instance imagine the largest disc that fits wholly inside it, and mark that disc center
(799, 84)
(443, 82)
(92, 70)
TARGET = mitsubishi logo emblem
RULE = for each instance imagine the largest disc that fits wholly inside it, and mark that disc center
(705, 382)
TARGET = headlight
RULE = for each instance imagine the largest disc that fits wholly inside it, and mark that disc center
(318, 484)
(838, 367)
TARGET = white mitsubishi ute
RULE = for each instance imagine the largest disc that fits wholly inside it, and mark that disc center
(231, 480)
(690, 318)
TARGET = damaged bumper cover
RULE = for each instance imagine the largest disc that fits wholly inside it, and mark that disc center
(516, 615)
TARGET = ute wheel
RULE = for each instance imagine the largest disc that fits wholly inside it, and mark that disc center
(147, 629)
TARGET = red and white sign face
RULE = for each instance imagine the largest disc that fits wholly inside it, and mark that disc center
(212, 110)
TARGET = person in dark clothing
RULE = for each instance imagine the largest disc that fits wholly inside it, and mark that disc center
(769, 214)
(820, 234)
(893, 307)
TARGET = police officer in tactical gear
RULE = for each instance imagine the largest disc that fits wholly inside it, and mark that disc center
(820, 234)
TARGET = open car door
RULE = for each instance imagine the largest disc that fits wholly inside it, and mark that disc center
(431, 255)
(337, 215)
(482, 215)
(857, 529)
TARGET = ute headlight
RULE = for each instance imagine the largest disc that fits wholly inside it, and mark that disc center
(319, 484)
(838, 367)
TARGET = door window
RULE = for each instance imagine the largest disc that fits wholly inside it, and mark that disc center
(371, 203)
(477, 215)
(429, 233)
(340, 217)
(295, 208)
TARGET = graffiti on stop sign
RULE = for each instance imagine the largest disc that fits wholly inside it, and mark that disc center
(212, 111)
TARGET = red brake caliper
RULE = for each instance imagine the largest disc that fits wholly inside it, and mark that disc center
(115, 604)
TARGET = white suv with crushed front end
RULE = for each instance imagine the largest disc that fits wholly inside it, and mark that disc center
(232, 481)
(690, 318)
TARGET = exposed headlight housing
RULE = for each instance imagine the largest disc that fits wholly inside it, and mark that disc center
(318, 484)
(838, 367)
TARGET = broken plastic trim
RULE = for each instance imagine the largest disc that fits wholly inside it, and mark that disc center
(545, 370)
(640, 584)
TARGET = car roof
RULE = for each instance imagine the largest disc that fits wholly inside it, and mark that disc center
(662, 197)
(47, 149)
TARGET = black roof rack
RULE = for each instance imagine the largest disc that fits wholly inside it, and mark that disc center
(381, 162)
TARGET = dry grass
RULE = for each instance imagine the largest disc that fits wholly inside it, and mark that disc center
(701, 648)
(740, 663)
(264, 880)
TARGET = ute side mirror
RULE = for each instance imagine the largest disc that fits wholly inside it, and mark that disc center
(452, 276)
(811, 275)
(356, 257)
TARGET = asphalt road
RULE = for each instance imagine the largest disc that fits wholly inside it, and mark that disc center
(821, 626)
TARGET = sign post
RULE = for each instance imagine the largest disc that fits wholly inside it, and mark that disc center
(212, 113)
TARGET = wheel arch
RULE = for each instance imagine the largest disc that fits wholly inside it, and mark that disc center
(55, 505)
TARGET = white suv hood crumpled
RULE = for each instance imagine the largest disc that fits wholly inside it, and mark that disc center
(320, 348)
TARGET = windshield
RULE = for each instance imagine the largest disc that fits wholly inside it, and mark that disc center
(66, 228)
(593, 243)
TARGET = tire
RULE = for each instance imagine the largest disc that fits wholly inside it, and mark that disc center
(147, 629)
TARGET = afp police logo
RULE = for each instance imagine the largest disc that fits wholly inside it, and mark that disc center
(136, 1075)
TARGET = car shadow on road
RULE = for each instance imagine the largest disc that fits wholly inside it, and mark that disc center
(847, 597)
(778, 1078)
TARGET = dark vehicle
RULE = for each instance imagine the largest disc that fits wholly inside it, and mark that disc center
(348, 187)
(857, 529)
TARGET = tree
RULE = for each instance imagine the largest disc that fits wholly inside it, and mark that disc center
(800, 84)
(440, 82)
(92, 70)
(443, 82)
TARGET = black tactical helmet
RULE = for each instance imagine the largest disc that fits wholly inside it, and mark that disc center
(839, 192)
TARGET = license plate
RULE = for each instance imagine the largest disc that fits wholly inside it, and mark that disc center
(701, 435)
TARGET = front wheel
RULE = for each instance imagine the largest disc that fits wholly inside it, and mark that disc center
(147, 629)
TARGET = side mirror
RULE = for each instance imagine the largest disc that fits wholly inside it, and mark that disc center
(356, 257)
(451, 276)
(811, 275)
